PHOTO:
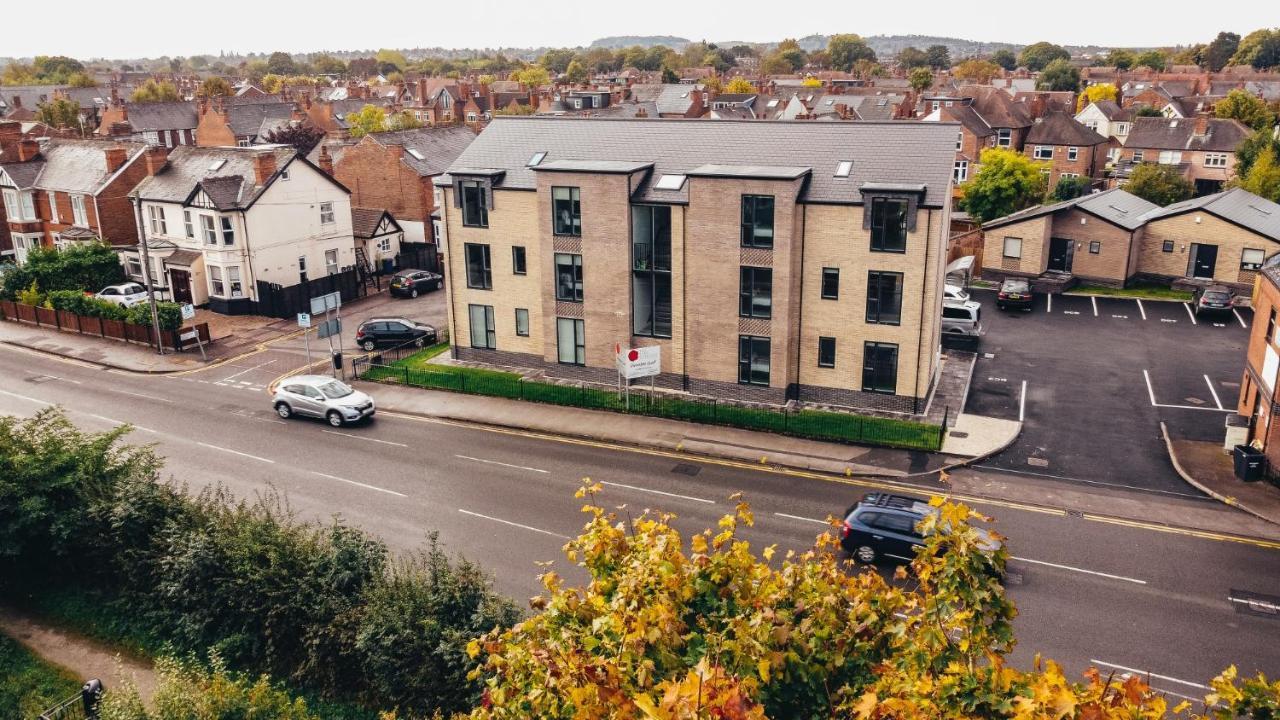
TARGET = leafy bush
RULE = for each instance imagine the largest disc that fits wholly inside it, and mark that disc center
(28, 685)
(90, 266)
(187, 691)
(31, 296)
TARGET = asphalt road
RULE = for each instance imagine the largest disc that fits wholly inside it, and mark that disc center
(1089, 591)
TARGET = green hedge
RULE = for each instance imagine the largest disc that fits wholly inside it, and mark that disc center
(90, 266)
(170, 314)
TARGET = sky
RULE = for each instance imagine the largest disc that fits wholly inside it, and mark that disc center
(151, 28)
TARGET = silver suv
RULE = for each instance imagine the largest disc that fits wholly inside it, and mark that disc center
(321, 396)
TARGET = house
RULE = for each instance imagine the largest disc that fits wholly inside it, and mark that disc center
(1109, 120)
(378, 237)
(1203, 148)
(1223, 238)
(62, 191)
(219, 221)
(565, 239)
(734, 106)
(244, 123)
(169, 124)
(682, 100)
(1258, 387)
(972, 136)
(1071, 149)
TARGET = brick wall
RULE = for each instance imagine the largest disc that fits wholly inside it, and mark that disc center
(1035, 248)
(1254, 394)
(1088, 164)
(1184, 230)
(214, 130)
(378, 178)
(1108, 265)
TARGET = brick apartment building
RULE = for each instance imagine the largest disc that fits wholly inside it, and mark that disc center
(565, 238)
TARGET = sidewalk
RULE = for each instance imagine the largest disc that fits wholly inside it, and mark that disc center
(1206, 466)
(104, 351)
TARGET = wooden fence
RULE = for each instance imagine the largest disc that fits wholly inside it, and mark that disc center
(969, 243)
(67, 321)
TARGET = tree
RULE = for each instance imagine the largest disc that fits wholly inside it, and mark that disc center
(556, 61)
(281, 63)
(741, 86)
(301, 136)
(789, 54)
(1260, 48)
(1147, 111)
(977, 71)
(1005, 59)
(81, 80)
(1007, 182)
(328, 65)
(939, 57)
(866, 69)
(912, 57)
(1038, 56)
(271, 83)
(921, 79)
(215, 87)
(393, 58)
(1218, 53)
(845, 50)
(60, 113)
(532, 76)
(1121, 59)
(152, 91)
(369, 119)
(1154, 59)
(576, 73)
(1160, 184)
(1069, 188)
(403, 120)
(1097, 93)
(1254, 147)
(1247, 108)
(254, 70)
(1263, 178)
(1059, 75)
(811, 82)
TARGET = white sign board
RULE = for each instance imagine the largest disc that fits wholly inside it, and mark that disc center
(188, 311)
(188, 336)
(304, 320)
(324, 303)
(1270, 365)
(639, 362)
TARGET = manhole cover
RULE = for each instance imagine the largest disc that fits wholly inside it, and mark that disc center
(1075, 513)
(686, 469)
(1194, 400)
(1037, 462)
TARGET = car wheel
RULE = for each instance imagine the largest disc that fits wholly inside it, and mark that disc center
(368, 346)
(334, 418)
(865, 554)
(284, 411)
(419, 342)
(413, 293)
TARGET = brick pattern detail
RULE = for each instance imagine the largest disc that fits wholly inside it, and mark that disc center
(1247, 277)
(858, 399)
(567, 245)
(759, 257)
(754, 326)
(378, 177)
(569, 310)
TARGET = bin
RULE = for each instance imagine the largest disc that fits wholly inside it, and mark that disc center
(1250, 464)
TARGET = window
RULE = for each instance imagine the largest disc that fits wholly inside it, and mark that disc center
(670, 182)
(1013, 247)
(884, 298)
(830, 283)
(757, 221)
(1091, 124)
(1073, 153)
(755, 292)
(1122, 128)
(331, 262)
(11, 204)
(753, 360)
(242, 142)
(28, 205)
(483, 334)
(187, 227)
(1004, 137)
(518, 266)
(1068, 175)
(960, 172)
(78, 215)
(1252, 258)
(326, 213)
(826, 352)
(959, 141)
(1043, 152)
(475, 206)
(566, 211)
(536, 159)
(1271, 327)
(384, 245)
(233, 280)
(302, 264)
(1170, 157)
(571, 343)
(479, 272)
(880, 368)
(207, 227)
(1167, 246)
(1215, 160)
(522, 322)
(1095, 247)
(1137, 155)
(215, 281)
(228, 231)
(135, 266)
(651, 270)
(156, 214)
(568, 277)
(888, 224)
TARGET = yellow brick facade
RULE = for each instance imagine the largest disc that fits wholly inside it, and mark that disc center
(1199, 227)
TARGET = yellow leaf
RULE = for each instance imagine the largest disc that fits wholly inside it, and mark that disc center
(768, 552)
(1181, 707)
(763, 668)
(473, 649)
(645, 703)
(865, 706)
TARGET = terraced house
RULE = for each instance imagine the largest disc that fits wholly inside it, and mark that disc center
(770, 262)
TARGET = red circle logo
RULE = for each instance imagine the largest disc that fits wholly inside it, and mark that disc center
(633, 355)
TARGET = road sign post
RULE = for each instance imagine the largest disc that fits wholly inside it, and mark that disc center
(189, 313)
(323, 305)
(304, 322)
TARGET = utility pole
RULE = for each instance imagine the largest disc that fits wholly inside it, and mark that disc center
(146, 272)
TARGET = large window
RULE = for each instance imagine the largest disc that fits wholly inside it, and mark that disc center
(960, 171)
(888, 224)
(216, 287)
(326, 213)
(228, 231)
(11, 207)
(757, 221)
(1013, 248)
(483, 334)
(1215, 160)
(571, 343)
(519, 264)
(209, 229)
(475, 206)
(569, 277)
(566, 211)
(884, 298)
(1004, 137)
(233, 281)
(330, 262)
(522, 322)
(755, 292)
(479, 272)
(830, 283)
(1043, 152)
(156, 214)
(78, 215)
(753, 360)
(1252, 258)
(651, 270)
(826, 352)
(28, 205)
(880, 367)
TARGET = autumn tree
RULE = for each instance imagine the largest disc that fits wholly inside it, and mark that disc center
(556, 61)
(1038, 56)
(1097, 93)
(1159, 184)
(1154, 59)
(152, 91)
(60, 113)
(1007, 182)
(576, 73)
(740, 86)
(271, 83)
(977, 71)
(390, 61)
(1005, 59)
(369, 119)
(1263, 178)
(81, 80)
(1121, 59)
(811, 82)
(866, 69)
(845, 50)
(532, 76)
(1247, 108)
(1260, 48)
(787, 58)
(921, 79)
(1059, 75)
(328, 65)
(1254, 147)
(215, 87)
(912, 57)
(1218, 53)
(301, 136)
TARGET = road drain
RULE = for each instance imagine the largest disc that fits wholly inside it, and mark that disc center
(686, 469)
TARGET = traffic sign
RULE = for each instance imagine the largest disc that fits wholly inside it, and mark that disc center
(329, 328)
(324, 303)
(188, 311)
(304, 320)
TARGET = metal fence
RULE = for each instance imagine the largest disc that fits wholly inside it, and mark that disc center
(81, 706)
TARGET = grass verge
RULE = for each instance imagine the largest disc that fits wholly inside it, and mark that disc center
(28, 684)
(1144, 291)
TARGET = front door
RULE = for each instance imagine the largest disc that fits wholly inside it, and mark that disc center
(180, 285)
(1204, 258)
(1060, 253)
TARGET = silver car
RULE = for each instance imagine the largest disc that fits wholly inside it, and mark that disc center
(321, 396)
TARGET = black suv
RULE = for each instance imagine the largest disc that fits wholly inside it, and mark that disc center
(409, 282)
(1015, 293)
(884, 525)
(393, 331)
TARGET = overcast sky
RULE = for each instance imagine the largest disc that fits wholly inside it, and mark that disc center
(150, 28)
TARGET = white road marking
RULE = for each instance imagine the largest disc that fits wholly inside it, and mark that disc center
(247, 370)
(359, 484)
(1150, 392)
(1049, 297)
(1121, 317)
(803, 519)
(55, 377)
(1253, 604)
(1241, 319)
(515, 524)
(658, 492)
(1213, 392)
(361, 437)
(1093, 300)
(1022, 403)
(1145, 673)
(121, 422)
(1168, 320)
(141, 395)
(236, 452)
(24, 397)
(1079, 570)
(1141, 309)
(1189, 313)
(1070, 312)
(495, 462)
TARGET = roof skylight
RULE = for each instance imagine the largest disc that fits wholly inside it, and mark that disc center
(670, 182)
(843, 169)
(536, 158)
(417, 155)
(217, 164)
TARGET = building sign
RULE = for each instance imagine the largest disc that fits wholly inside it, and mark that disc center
(1270, 364)
(639, 362)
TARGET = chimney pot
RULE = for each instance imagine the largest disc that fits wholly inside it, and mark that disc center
(1202, 125)
(28, 149)
(17, 101)
(325, 161)
(116, 157)
(264, 166)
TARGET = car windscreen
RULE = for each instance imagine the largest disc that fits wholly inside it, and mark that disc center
(334, 390)
(1217, 296)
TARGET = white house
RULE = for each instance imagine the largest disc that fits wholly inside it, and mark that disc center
(1109, 120)
(219, 220)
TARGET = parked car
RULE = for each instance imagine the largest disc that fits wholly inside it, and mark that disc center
(1014, 292)
(126, 294)
(411, 283)
(388, 331)
(954, 293)
(1212, 299)
(321, 396)
(962, 320)
(885, 525)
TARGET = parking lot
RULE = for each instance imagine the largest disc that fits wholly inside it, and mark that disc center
(1092, 378)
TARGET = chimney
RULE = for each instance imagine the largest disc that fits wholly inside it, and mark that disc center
(155, 157)
(17, 101)
(1202, 125)
(124, 112)
(202, 106)
(306, 99)
(422, 91)
(115, 94)
(1037, 106)
(264, 166)
(116, 157)
(325, 161)
(120, 129)
(641, 112)
(28, 149)
(10, 133)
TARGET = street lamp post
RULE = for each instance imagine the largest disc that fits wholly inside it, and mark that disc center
(146, 272)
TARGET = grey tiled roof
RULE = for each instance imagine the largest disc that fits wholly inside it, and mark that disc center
(676, 98)
(70, 165)
(898, 152)
(439, 146)
(24, 174)
(1059, 128)
(1237, 205)
(230, 185)
(365, 221)
(178, 115)
(247, 119)
(1116, 206)
(1158, 133)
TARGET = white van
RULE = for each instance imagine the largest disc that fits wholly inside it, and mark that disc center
(962, 320)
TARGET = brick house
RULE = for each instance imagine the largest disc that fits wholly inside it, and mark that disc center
(972, 136)
(156, 123)
(1258, 386)
(224, 124)
(1203, 148)
(1071, 149)
(566, 238)
(62, 191)
(1109, 120)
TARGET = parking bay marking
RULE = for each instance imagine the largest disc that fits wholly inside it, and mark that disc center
(1093, 300)
(1141, 309)
(1189, 313)
(1243, 324)
(1213, 392)
(1070, 312)
(1151, 393)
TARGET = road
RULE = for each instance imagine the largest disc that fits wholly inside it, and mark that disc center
(1089, 591)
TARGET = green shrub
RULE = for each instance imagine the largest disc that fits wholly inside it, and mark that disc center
(31, 295)
(188, 691)
(69, 300)
(169, 313)
(28, 685)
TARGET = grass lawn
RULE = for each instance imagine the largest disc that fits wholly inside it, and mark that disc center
(29, 685)
(1145, 291)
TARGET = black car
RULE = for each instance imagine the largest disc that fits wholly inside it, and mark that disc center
(1014, 292)
(1213, 298)
(411, 283)
(385, 332)
(883, 525)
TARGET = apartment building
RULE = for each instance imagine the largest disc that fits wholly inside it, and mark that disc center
(568, 238)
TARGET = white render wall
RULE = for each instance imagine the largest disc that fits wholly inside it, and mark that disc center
(285, 224)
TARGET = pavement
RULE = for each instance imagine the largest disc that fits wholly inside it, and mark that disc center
(1208, 467)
